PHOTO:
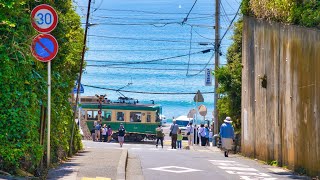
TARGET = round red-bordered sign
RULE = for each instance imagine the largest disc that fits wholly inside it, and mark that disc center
(44, 47)
(44, 18)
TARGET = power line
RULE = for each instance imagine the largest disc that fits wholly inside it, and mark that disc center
(144, 92)
(190, 46)
(154, 63)
(148, 12)
(161, 59)
(230, 25)
(143, 39)
(186, 18)
(147, 19)
(165, 49)
(156, 24)
(141, 68)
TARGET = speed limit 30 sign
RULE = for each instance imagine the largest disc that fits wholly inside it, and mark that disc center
(44, 18)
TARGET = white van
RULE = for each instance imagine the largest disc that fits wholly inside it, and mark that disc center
(182, 122)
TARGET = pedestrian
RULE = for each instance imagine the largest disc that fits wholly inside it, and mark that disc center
(104, 130)
(100, 131)
(121, 134)
(202, 134)
(159, 135)
(227, 135)
(207, 134)
(190, 132)
(173, 132)
(93, 133)
(109, 133)
(179, 139)
(97, 131)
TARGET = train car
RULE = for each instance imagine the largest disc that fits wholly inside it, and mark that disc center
(140, 120)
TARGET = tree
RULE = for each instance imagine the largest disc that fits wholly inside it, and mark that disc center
(229, 78)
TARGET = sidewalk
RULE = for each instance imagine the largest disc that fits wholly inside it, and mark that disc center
(92, 163)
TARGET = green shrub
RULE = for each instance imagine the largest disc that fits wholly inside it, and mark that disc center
(23, 85)
(299, 12)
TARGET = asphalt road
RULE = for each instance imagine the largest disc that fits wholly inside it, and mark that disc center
(159, 164)
(146, 162)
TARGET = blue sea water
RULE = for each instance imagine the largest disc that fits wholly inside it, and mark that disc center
(124, 34)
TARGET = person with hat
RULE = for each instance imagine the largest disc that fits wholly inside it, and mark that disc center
(227, 135)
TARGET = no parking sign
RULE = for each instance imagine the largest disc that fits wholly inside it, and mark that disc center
(44, 47)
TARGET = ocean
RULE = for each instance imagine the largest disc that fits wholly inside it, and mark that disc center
(144, 46)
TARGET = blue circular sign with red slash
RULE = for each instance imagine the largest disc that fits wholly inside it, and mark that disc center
(44, 47)
(44, 18)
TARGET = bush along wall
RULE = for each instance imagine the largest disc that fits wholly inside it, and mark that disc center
(229, 78)
(299, 12)
(23, 86)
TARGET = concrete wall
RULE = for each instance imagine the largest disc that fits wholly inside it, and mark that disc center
(282, 121)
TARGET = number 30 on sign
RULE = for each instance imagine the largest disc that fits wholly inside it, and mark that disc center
(44, 18)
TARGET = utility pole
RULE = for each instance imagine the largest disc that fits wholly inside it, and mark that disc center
(216, 64)
(80, 74)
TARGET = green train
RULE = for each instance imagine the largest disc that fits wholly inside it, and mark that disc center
(140, 120)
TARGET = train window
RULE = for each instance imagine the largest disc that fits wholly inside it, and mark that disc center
(135, 116)
(107, 115)
(120, 116)
(148, 117)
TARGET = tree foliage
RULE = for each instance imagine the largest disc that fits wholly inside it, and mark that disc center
(23, 85)
(300, 12)
(229, 78)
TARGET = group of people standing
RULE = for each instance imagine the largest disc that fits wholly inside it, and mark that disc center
(101, 133)
(202, 134)
(104, 133)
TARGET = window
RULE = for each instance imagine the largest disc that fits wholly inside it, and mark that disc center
(135, 116)
(148, 117)
(120, 116)
(107, 115)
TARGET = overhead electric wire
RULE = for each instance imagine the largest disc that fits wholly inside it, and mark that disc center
(142, 68)
(147, 19)
(154, 60)
(190, 46)
(231, 23)
(148, 12)
(144, 92)
(202, 35)
(186, 18)
(142, 39)
(154, 63)
(156, 24)
(165, 49)
(226, 17)
(203, 67)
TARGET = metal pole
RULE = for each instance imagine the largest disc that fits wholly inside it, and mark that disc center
(49, 113)
(80, 73)
(216, 66)
(79, 116)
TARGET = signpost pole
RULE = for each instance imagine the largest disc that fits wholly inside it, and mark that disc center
(49, 112)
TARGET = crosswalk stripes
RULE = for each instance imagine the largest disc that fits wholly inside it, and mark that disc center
(97, 178)
(244, 171)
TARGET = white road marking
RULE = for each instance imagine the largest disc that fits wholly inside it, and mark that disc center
(175, 169)
(245, 172)
(249, 173)
(255, 178)
(237, 168)
(222, 161)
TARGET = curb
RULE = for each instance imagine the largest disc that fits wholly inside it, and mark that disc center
(121, 169)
